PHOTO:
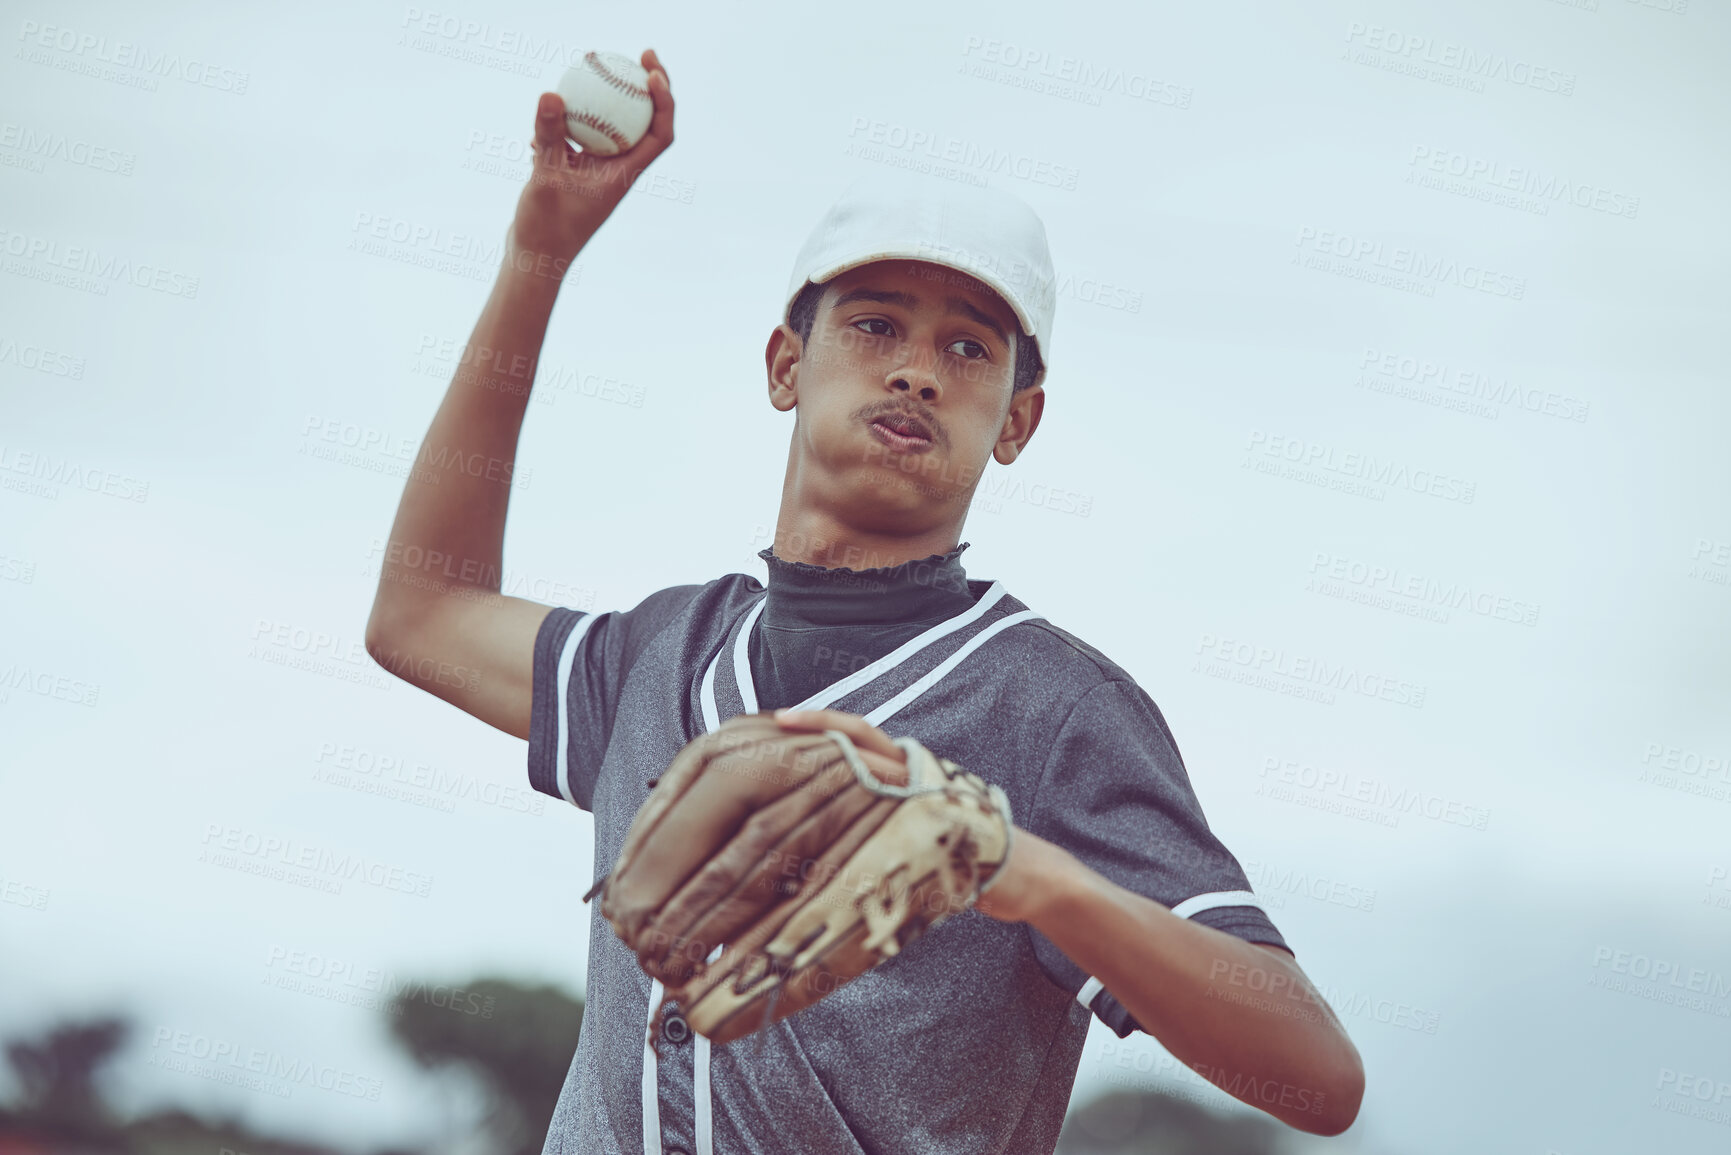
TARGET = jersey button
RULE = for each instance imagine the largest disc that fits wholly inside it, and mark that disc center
(675, 1030)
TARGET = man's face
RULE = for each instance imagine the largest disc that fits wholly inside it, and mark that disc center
(902, 394)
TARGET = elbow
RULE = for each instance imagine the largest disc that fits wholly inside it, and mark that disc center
(377, 630)
(384, 631)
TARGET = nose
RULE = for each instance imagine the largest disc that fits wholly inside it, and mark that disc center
(918, 378)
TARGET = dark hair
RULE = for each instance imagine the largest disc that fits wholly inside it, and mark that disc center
(802, 315)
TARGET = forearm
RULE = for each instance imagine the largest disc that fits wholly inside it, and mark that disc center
(1245, 1018)
(450, 524)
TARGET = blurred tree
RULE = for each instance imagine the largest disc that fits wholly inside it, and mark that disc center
(57, 1078)
(1152, 1123)
(175, 1132)
(62, 1110)
(515, 1040)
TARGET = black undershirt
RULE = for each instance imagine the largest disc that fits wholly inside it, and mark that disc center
(822, 624)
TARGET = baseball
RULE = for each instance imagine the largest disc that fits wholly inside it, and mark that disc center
(607, 105)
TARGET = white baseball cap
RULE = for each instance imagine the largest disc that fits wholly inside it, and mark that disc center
(989, 234)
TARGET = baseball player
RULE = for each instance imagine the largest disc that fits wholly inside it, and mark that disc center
(912, 350)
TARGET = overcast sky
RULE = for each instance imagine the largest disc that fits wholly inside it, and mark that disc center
(1390, 339)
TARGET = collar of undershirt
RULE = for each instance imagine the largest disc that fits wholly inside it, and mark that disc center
(803, 595)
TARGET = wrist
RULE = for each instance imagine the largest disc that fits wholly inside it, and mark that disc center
(536, 266)
(529, 252)
(1036, 879)
(1057, 878)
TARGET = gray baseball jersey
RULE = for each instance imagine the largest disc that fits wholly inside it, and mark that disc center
(992, 1008)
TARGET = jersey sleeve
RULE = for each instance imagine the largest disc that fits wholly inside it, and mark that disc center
(581, 662)
(1115, 793)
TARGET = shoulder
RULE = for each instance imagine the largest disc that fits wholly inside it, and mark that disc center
(690, 611)
(1066, 647)
(729, 592)
(1060, 679)
(1060, 655)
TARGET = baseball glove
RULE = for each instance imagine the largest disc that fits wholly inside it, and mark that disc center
(810, 868)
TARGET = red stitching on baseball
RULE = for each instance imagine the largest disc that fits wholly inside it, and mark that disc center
(606, 128)
(611, 77)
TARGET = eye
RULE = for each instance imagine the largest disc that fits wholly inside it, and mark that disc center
(890, 329)
(983, 351)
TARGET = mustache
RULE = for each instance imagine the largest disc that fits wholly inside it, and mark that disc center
(870, 413)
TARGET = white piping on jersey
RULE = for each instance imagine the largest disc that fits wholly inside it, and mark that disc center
(742, 658)
(700, 1093)
(747, 685)
(1218, 898)
(1190, 906)
(651, 1098)
(651, 1092)
(747, 688)
(927, 680)
(706, 700)
(703, 1102)
(836, 691)
(561, 723)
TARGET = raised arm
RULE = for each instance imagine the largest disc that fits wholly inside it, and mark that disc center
(438, 619)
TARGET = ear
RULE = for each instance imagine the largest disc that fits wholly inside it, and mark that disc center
(781, 358)
(1019, 424)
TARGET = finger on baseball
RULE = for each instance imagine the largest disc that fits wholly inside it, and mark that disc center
(652, 64)
(864, 734)
(550, 141)
(660, 133)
